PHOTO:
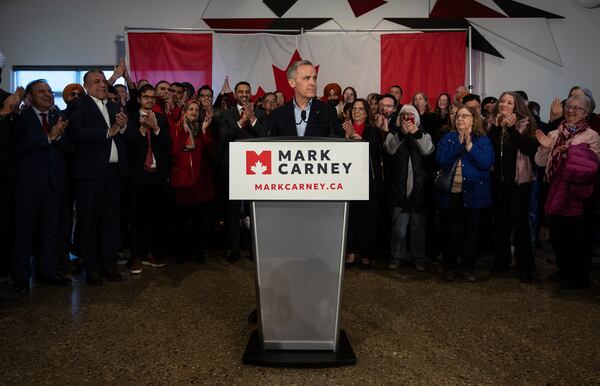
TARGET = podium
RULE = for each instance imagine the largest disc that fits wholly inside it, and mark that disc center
(299, 190)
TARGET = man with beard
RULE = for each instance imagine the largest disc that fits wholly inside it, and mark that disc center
(241, 121)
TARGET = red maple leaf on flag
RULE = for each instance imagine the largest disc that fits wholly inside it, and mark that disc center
(259, 93)
(281, 82)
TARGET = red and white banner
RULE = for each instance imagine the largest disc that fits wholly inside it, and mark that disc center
(369, 62)
(174, 57)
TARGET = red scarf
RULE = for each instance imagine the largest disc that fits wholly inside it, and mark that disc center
(359, 128)
(566, 132)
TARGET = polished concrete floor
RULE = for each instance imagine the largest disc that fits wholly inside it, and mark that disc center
(187, 324)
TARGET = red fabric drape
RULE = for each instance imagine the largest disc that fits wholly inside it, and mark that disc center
(174, 57)
(432, 62)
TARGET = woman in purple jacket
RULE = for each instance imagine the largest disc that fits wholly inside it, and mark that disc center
(465, 156)
(571, 155)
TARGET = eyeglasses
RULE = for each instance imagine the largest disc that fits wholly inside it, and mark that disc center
(463, 116)
(574, 108)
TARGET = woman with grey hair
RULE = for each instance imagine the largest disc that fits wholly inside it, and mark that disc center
(571, 155)
(407, 179)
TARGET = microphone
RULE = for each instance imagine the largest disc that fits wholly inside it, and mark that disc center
(302, 117)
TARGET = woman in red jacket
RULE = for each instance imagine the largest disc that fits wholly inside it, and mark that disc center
(570, 154)
(191, 179)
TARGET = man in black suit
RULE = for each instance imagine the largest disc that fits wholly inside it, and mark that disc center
(241, 121)
(40, 186)
(149, 148)
(304, 115)
(9, 104)
(99, 164)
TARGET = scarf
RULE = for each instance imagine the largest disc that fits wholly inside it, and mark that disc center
(359, 128)
(190, 143)
(566, 132)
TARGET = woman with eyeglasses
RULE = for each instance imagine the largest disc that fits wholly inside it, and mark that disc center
(515, 145)
(361, 244)
(571, 154)
(465, 156)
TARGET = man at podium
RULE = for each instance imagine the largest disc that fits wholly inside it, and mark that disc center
(304, 115)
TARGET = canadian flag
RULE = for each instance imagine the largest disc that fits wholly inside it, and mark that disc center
(430, 62)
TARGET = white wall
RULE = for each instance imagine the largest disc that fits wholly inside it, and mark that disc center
(75, 32)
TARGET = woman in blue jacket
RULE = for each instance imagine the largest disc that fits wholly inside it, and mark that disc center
(465, 156)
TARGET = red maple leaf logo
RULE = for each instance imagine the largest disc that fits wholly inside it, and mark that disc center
(281, 82)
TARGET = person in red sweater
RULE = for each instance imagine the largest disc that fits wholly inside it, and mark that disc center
(191, 179)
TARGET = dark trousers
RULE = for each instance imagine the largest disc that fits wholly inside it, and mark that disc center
(99, 219)
(148, 209)
(6, 225)
(362, 227)
(460, 227)
(571, 239)
(511, 217)
(234, 213)
(37, 223)
(191, 229)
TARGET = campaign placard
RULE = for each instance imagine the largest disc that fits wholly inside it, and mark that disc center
(303, 170)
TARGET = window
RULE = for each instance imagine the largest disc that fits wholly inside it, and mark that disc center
(57, 76)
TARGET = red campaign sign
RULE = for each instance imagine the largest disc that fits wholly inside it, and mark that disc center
(432, 62)
(174, 57)
(258, 163)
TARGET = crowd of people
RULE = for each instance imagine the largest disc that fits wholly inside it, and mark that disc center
(145, 167)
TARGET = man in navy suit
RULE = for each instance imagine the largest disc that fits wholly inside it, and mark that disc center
(99, 165)
(304, 115)
(40, 185)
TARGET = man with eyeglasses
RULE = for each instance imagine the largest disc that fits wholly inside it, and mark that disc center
(386, 118)
(150, 161)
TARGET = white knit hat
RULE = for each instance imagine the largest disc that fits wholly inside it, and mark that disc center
(2, 61)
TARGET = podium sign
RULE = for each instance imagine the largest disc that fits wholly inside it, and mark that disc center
(307, 170)
(299, 190)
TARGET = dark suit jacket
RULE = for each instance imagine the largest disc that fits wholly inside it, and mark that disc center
(229, 131)
(88, 131)
(322, 121)
(138, 146)
(39, 162)
(7, 167)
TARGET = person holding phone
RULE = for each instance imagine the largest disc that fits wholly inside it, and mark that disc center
(466, 155)
(407, 176)
(512, 135)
